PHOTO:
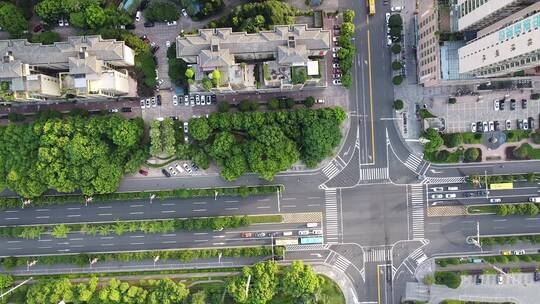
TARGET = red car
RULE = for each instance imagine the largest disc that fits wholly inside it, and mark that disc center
(38, 28)
(143, 172)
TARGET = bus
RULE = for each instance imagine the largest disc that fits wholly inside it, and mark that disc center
(501, 186)
(283, 242)
(371, 7)
(311, 240)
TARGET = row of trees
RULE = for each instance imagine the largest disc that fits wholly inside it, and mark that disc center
(257, 16)
(162, 137)
(297, 283)
(478, 179)
(530, 209)
(264, 143)
(207, 8)
(119, 228)
(67, 154)
(12, 19)
(347, 52)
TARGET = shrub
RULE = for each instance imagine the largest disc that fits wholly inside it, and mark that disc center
(223, 106)
(472, 154)
(398, 104)
(395, 21)
(452, 100)
(273, 104)
(396, 48)
(309, 102)
(46, 38)
(397, 80)
(535, 96)
(396, 65)
(15, 117)
(161, 11)
(450, 279)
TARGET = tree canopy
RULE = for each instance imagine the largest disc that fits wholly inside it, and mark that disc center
(161, 11)
(435, 140)
(299, 280)
(75, 153)
(12, 20)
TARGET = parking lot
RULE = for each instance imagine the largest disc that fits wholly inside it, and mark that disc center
(468, 110)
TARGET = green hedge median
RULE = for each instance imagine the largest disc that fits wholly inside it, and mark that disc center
(243, 191)
(450, 279)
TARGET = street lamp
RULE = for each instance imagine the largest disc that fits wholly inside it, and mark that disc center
(12, 289)
(156, 258)
(272, 240)
(219, 257)
(88, 200)
(215, 194)
(26, 202)
(477, 242)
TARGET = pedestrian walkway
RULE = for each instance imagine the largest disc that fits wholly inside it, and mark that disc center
(303, 217)
(415, 163)
(306, 247)
(334, 167)
(444, 180)
(417, 204)
(372, 174)
(376, 255)
(338, 261)
(331, 222)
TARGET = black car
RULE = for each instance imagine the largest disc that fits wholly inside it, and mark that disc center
(154, 49)
(149, 24)
(213, 98)
(469, 194)
(496, 125)
(478, 280)
(537, 276)
(512, 104)
(479, 126)
(125, 109)
(531, 123)
(158, 98)
(524, 103)
(501, 105)
(165, 172)
(130, 26)
(482, 192)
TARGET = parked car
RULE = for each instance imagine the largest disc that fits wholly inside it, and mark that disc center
(171, 23)
(473, 127)
(495, 200)
(478, 279)
(138, 16)
(335, 65)
(485, 126)
(496, 125)
(524, 103)
(469, 194)
(184, 12)
(113, 110)
(437, 196)
(520, 124)
(303, 232)
(61, 22)
(188, 169)
(508, 125)
(167, 43)
(165, 172)
(143, 172)
(142, 104)
(499, 279)
(506, 252)
(437, 189)
(482, 192)
(171, 169)
(203, 100)
(175, 100)
(261, 234)
(479, 126)
(525, 125)
(213, 98)
(501, 105)
(491, 126)
(197, 99)
(125, 109)
(130, 26)
(38, 28)
(496, 105)
(158, 99)
(186, 127)
(186, 100)
(336, 81)
(512, 104)
(396, 9)
(153, 101)
(246, 234)
(316, 231)
(192, 100)
(519, 252)
(531, 123)
(148, 102)
(536, 276)
(450, 195)
(179, 168)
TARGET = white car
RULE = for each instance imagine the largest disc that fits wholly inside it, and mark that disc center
(437, 196)
(138, 16)
(184, 12)
(485, 126)
(186, 127)
(388, 40)
(525, 125)
(303, 232)
(495, 200)
(188, 169)
(337, 81)
(316, 231)
(335, 49)
(450, 195)
(167, 43)
(438, 189)
(175, 100)
(491, 126)
(66, 23)
(197, 99)
(192, 101)
(142, 104)
(387, 15)
(334, 55)
(473, 127)
(171, 169)
(171, 23)
(508, 125)
(396, 9)
(186, 100)
(335, 65)
(61, 22)
(518, 252)
(320, 100)
(153, 101)
(179, 168)
(496, 105)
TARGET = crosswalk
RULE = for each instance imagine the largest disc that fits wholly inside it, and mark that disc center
(331, 216)
(376, 255)
(374, 173)
(413, 162)
(342, 263)
(417, 203)
(444, 180)
(330, 170)
(418, 256)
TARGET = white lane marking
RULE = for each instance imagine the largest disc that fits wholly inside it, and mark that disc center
(218, 236)
(44, 240)
(76, 246)
(136, 236)
(107, 244)
(232, 208)
(172, 234)
(200, 240)
(9, 242)
(263, 207)
(14, 248)
(288, 206)
(532, 219)
(199, 203)
(289, 198)
(500, 220)
(200, 233)
(232, 201)
(135, 213)
(107, 237)
(75, 239)
(314, 205)
(42, 217)
(11, 218)
(168, 242)
(74, 208)
(42, 210)
(198, 210)
(168, 211)
(167, 204)
(313, 197)
(263, 200)
(11, 211)
(104, 214)
(135, 206)
(46, 247)
(104, 207)
(217, 244)
(74, 215)
(136, 243)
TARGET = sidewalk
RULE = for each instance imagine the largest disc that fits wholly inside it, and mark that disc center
(344, 283)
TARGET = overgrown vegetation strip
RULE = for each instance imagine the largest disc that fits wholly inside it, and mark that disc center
(242, 191)
(152, 226)
(184, 255)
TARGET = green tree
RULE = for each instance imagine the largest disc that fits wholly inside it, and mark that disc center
(47, 37)
(450, 279)
(398, 104)
(455, 140)
(50, 291)
(348, 15)
(536, 137)
(396, 65)
(346, 80)
(396, 48)
(223, 106)
(12, 20)
(319, 140)
(189, 73)
(299, 75)
(167, 291)
(6, 281)
(452, 100)
(263, 284)
(472, 154)
(273, 104)
(199, 297)
(207, 84)
(395, 21)
(502, 210)
(161, 11)
(199, 128)
(435, 140)
(397, 80)
(309, 102)
(60, 231)
(216, 77)
(347, 28)
(299, 280)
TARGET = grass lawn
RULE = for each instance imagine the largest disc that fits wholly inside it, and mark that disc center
(329, 290)
(424, 113)
(482, 209)
(526, 151)
(299, 74)
(263, 219)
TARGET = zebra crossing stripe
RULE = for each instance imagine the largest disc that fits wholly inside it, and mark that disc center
(342, 263)
(444, 180)
(417, 203)
(331, 215)
(413, 162)
(331, 170)
(304, 247)
(376, 255)
(374, 173)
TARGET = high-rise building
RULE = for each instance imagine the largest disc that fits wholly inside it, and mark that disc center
(477, 14)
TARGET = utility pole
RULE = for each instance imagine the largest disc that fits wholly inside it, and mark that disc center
(247, 285)
(88, 200)
(12, 289)
(272, 239)
(485, 178)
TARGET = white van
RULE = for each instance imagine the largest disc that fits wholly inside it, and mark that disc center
(138, 16)
(453, 188)
(312, 225)
(287, 233)
(303, 232)
(316, 231)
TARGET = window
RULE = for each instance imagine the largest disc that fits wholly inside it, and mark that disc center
(496, 53)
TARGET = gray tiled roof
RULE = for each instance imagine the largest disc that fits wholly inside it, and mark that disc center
(220, 58)
(262, 42)
(11, 69)
(88, 65)
(59, 52)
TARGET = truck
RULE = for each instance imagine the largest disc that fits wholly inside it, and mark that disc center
(535, 199)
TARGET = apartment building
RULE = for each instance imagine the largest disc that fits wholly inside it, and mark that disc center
(474, 15)
(427, 49)
(507, 46)
(82, 67)
(263, 60)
